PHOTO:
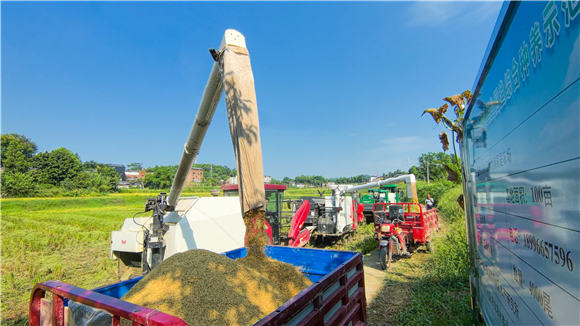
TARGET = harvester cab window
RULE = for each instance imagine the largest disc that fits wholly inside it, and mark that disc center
(271, 201)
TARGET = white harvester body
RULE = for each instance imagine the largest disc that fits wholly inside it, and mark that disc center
(341, 211)
(211, 223)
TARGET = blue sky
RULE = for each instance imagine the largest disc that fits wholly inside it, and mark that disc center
(340, 85)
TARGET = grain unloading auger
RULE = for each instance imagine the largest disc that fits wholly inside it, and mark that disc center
(179, 223)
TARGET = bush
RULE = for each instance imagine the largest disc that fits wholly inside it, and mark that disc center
(435, 189)
(17, 184)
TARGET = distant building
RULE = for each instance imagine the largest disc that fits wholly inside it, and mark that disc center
(267, 179)
(195, 175)
(120, 169)
(299, 185)
(373, 179)
(131, 175)
(135, 175)
(232, 180)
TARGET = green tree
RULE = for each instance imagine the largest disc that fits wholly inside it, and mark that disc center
(415, 170)
(210, 182)
(135, 167)
(160, 177)
(110, 176)
(287, 181)
(56, 166)
(17, 152)
(438, 164)
(90, 166)
(17, 184)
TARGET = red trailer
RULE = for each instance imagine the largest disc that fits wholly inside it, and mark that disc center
(401, 228)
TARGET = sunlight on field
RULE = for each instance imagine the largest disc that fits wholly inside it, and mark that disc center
(66, 239)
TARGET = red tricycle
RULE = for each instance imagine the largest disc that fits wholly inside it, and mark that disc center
(401, 228)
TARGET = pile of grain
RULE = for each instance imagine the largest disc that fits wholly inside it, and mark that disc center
(204, 288)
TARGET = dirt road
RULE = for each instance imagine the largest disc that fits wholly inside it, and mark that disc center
(388, 292)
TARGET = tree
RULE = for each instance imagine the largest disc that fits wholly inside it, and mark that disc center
(437, 164)
(17, 152)
(17, 184)
(56, 166)
(160, 177)
(90, 166)
(287, 181)
(211, 182)
(415, 170)
(135, 167)
(110, 176)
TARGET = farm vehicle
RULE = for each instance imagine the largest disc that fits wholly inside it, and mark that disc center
(401, 228)
(385, 194)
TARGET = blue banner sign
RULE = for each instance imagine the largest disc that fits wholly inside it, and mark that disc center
(521, 161)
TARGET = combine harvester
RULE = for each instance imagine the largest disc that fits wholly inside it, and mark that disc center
(337, 296)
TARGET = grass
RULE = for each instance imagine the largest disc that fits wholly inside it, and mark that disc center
(441, 295)
(362, 240)
(67, 239)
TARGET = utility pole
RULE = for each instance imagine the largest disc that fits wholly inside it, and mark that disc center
(427, 172)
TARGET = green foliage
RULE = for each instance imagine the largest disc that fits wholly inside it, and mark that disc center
(211, 182)
(315, 180)
(394, 174)
(287, 181)
(17, 184)
(55, 173)
(436, 162)
(56, 166)
(442, 297)
(435, 189)
(356, 179)
(219, 172)
(17, 152)
(135, 167)
(160, 177)
(90, 166)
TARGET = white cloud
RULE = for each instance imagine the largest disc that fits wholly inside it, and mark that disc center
(430, 13)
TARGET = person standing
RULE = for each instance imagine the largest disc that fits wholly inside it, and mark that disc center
(429, 202)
